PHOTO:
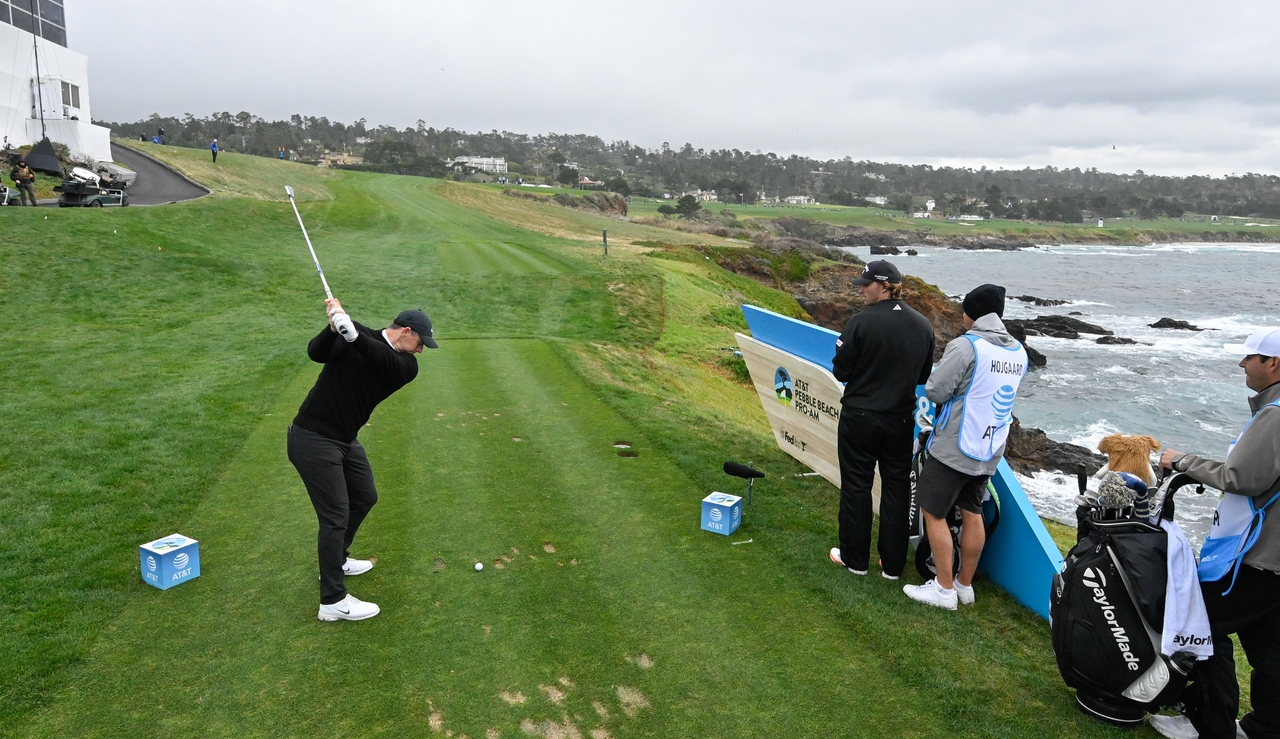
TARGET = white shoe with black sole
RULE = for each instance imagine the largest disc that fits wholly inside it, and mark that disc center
(349, 608)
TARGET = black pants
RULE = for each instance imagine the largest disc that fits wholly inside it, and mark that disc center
(25, 192)
(215, 157)
(1251, 611)
(866, 438)
(340, 482)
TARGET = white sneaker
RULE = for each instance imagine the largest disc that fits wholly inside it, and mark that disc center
(965, 593)
(349, 608)
(1240, 732)
(356, 566)
(884, 574)
(835, 557)
(1175, 727)
(931, 594)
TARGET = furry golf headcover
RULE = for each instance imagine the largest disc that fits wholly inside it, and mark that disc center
(1130, 454)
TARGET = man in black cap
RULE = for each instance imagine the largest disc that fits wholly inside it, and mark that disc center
(362, 367)
(886, 350)
(974, 386)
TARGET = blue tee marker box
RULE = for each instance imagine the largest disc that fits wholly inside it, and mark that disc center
(721, 513)
(170, 561)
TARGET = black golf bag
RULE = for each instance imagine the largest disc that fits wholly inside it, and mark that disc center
(1106, 610)
(955, 521)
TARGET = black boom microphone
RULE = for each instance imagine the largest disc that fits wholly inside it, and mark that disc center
(742, 470)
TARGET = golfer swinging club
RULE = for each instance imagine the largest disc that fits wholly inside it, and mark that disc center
(362, 367)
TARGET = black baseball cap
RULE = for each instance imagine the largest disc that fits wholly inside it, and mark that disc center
(879, 271)
(421, 325)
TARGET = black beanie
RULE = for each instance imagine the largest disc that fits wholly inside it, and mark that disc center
(982, 300)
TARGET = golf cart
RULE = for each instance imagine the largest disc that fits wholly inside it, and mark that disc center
(84, 189)
(9, 196)
(113, 175)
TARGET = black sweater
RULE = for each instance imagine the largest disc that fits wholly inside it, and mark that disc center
(884, 352)
(357, 376)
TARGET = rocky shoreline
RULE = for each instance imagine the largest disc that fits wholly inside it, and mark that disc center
(903, 239)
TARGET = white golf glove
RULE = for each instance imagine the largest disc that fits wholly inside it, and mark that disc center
(346, 328)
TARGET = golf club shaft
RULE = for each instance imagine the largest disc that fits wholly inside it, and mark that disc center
(328, 293)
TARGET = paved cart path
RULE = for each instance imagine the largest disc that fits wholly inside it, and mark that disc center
(156, 183)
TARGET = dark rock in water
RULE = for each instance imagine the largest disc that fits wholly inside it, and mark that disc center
(976, 244)
(885, 250)
(1029, 450)
(1075, 313)
(1115, 340)
(1034, 358)
(1060, 327)
(1041, 301)
(1171, 323)
(912, 253)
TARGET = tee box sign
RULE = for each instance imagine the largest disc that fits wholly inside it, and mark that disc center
(169, 561)
(721, 513)
(802, 401)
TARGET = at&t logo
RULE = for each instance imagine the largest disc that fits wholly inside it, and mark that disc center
(151, 563)
(180, 561)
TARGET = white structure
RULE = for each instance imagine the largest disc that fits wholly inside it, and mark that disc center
(877, 199)
(929, 205)
(971, 218)
(706, 196)
(921, 215)
(63, 86)
(492, 165)
(799, 200)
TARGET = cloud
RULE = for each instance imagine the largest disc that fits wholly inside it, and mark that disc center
(1177, 87)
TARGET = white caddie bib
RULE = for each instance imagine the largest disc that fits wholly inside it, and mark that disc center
(1236, 526)
(988, 401)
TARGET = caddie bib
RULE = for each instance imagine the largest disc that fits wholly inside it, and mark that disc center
(988, 401)
(1237, 524)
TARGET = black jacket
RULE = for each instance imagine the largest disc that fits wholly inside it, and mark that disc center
(357, 376)
(884, 352)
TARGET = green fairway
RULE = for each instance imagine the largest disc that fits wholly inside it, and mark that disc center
(161, 356)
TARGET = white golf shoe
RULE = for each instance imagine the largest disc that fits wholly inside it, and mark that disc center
(965, 593)
(356, 566)
(931, 594)
(1174, 727)
(349, 608)
(835, 557)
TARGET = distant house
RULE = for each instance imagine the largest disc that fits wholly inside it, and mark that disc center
(334, 158)
(762, 198)
(800, 200)
(971, 218)
(929, 205)
(921, 215)
(706, 196)
(586, 183)
(492, 165)
(877, 199)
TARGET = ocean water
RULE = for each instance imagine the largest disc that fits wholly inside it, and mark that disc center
(1178, 386)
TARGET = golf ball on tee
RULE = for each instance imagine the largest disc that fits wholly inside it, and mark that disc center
(479, 566)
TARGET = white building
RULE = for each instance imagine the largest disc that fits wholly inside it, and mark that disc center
(877, 199)
(971, 218)
(921, 215)
(492, 165)
(62, 90)
(706, 196)
(799, 200)
(929, 205)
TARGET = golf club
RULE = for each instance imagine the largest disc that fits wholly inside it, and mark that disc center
(344, 327)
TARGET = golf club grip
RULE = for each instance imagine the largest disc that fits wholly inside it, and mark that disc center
(327, 292)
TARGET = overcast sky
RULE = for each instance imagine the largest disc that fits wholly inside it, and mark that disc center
(1175, 87)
